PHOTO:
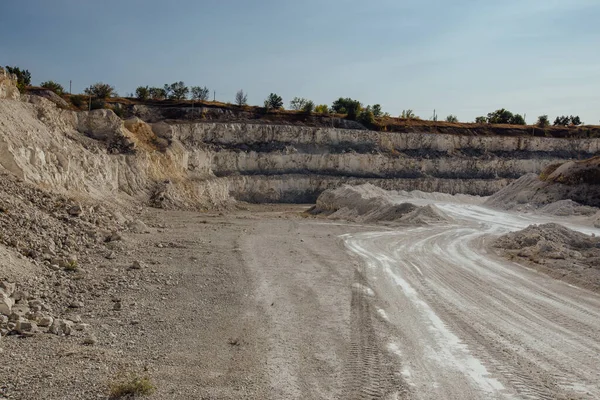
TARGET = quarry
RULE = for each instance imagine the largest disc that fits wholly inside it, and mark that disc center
(207, 253)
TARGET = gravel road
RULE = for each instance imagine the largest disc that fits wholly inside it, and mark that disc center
(465, 324)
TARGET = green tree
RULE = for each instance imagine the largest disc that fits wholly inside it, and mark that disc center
(346, 105)
(377, 112)
(481, 120)
(298, 103)
(101, 90)
(501, 116)
(23, 77)
(157, 93)
(517, 119)
(451, 118)
(543, 121)
(241, 98)
(177, 90)
(142, 93)
(576, 121)
(366, 117)
(274, 102)
(562, 121)
(55, 87)
(200, 93)
(322, 109)
(309, 107)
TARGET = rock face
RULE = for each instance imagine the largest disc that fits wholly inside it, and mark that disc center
(186, 164)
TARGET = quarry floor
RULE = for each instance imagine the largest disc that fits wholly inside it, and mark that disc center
(267, 303)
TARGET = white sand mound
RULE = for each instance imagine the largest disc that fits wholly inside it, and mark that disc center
(565, 208)
(368, 203)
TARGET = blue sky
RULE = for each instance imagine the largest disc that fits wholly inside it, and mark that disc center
(463, 57)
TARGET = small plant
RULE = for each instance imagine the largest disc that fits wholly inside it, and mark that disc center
(377, 112)
(366, 117)
(543, 121)
(55, 87)
(71, 266)
(135, 386)
(309, 107)
(241, 98)
(298, 103)
(452, 118)
(101, 90)
(481, 120)
(408, 114)
(157, 93)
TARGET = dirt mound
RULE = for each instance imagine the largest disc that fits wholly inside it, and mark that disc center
(369, 203)
(557, 250)
(563, 208)
(575, 180)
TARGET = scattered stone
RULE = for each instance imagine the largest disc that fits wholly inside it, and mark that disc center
(46, 321)
(7, 288)
(118, 306)
(138, 265)
(74, 318)
(111, 256)
(90, 340)
(75, 211)
(6, 304)
(113, 237)
(138, 226)
(25, 326)
(76, 304)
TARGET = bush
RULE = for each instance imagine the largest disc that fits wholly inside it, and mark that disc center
(142, 93)
(347, 106)
(501, 116)
(322, 109)
(481, 120)
(309, 107)
(200, 93)
(408, 114)
(566, 121)
(274, 102)
(452, 118)
(157, 93)
(366, 117)
(101, 90)
(576, 121)
(177, 90)
(241, 98)
(298, 103)
(517, 119)
(55, 87)
(78, 100)
(98, 104)
(136, 386)
(543, 121)
(23, 77)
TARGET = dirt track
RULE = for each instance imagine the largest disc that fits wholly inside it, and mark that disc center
(318, 309)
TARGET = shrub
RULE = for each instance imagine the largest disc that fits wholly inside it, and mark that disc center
(501, 116)
(346, 106)
(78, 100)
(274, 102)
(55, 87)
(241, 98)
(298, 103)
(451, 118)
(142, 93)
(97, 104)
(543, 121)
(23, 77)
(322, 109)
(157, 93)
(481, 120)
(366, 117)
(101, 90)
(517, 119)
(408, 114)
(200, 93)
(576, 121)
(309, 107)
(177, 90)
(134, 387)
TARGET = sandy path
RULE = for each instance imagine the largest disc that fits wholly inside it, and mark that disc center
(468, 325)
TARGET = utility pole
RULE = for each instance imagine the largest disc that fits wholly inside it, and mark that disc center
(70, 84)
(214, 95)
(90, 107)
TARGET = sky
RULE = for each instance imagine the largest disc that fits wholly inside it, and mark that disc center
(461, 57)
